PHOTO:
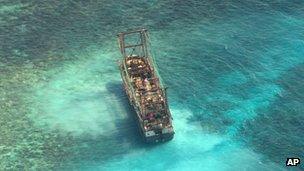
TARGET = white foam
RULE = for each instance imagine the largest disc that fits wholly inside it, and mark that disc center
(77, 99)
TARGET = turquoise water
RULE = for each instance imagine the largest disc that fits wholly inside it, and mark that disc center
(234, 71)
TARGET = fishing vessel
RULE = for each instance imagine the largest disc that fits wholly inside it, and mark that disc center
(143, 87)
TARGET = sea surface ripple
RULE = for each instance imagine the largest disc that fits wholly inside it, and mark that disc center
(234, 71)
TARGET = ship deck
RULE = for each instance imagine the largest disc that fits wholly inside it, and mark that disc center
(148, 93)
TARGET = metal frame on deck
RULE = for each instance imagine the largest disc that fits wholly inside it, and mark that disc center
(142, 33)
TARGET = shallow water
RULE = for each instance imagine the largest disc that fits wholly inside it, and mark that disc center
(234, 72)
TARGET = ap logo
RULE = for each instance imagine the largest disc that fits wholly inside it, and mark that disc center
(292, 161)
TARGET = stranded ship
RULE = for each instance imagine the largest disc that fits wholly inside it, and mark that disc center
(143, 87)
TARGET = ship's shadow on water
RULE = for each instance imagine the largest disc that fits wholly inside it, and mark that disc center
(122, 139)
(127, 129)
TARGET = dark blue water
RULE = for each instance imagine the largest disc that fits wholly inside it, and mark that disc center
(234, 71)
